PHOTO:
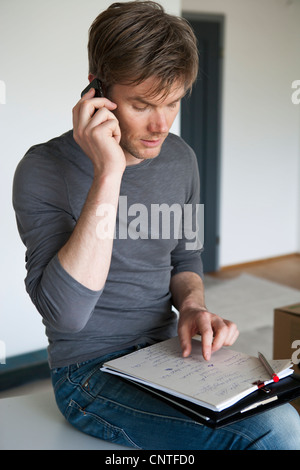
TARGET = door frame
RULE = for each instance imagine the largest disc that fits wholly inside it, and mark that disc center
(216, 177)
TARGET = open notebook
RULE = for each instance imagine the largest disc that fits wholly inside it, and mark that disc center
(216, 384)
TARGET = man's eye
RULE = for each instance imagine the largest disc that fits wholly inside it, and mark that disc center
(140, 108)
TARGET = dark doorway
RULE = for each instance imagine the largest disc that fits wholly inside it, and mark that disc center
(200, 127)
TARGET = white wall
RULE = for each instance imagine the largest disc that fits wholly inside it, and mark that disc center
(44, 67)
(260, 153)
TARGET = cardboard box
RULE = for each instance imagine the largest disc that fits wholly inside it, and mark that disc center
(287, 332)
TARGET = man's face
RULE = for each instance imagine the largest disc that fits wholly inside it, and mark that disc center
(144, 121)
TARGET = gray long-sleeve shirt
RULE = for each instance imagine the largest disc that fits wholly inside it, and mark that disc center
(50, 187)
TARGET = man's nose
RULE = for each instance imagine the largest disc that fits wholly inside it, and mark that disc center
(158, 123)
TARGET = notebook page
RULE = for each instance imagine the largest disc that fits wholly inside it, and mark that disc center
(216, 384)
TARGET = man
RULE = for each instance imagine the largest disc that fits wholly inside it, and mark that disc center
(103, 285)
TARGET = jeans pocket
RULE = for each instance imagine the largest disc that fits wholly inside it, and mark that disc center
(92, 424)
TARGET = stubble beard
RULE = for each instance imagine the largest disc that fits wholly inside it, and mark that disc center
(134, 152)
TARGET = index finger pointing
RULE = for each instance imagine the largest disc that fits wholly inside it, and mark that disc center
(207, 338)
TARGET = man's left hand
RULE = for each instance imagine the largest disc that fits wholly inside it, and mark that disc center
(214, 330)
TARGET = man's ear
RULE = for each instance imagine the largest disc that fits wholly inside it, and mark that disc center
(91, 77)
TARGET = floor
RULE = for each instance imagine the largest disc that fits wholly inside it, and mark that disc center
(284, 270)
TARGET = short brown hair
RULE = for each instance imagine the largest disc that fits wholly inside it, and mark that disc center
(133, 41)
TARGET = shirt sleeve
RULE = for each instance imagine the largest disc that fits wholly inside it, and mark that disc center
(187, 254)
(45, 223)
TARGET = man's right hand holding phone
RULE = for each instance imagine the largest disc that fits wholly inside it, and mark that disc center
(97, 131)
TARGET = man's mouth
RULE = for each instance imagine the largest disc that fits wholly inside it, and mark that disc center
(151, 143)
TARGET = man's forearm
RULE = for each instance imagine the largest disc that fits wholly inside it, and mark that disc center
(87, 254)
(187, 291)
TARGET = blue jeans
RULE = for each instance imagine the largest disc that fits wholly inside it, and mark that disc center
(104, 406)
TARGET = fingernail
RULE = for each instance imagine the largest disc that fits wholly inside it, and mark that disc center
(206, 356)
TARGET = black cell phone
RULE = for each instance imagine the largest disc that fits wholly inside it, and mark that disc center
(96, 83)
